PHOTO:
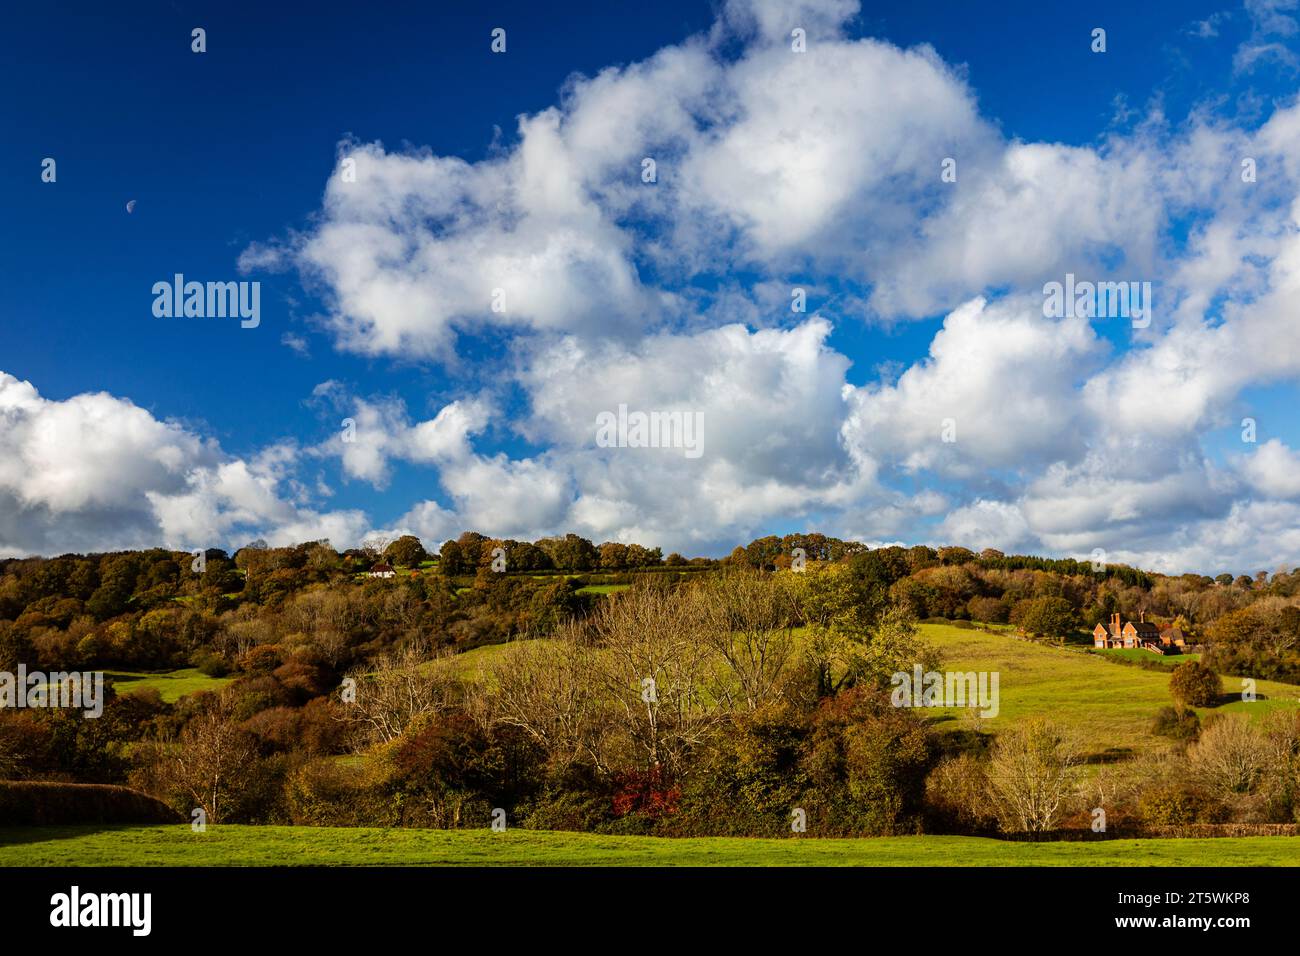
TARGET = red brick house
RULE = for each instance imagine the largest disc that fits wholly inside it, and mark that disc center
(1108, 635)
(1139, 633)
(1175, 638)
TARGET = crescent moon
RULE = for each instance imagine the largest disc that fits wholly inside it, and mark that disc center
(130, 207)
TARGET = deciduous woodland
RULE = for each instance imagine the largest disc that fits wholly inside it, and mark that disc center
(610, 689)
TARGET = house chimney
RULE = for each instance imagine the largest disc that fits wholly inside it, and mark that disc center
(1142, 615)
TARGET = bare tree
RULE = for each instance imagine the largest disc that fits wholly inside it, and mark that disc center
(326, 618)
(748, 618)
(655, 671)
(1031, 775)
(213, 761)
(375, 545)
(1230, 756)
(245, 628)
(402, 686)
(546, 688)
(403, 608)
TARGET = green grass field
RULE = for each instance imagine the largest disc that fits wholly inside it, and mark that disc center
(1110, 705)
(366, 846)
(1136, 654)
(171, 685)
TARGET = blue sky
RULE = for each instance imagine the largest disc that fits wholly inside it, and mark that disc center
(124, 429)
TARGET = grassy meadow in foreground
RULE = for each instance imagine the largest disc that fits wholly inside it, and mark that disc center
(176, 845)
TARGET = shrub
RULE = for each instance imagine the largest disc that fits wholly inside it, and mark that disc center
(1282, 786)
(448, 771)
(321, 729)
(1195, 685)
(26, 743)
(645, 793)
(632, 824)
(39, 803)
(562, 809)
(325, 792)
(263, 800)
(1177, 723)
(276, 728)
(303, 679)
(1171, 806)
(252, 694)
(210, 663)
(261, 659)
(867, 762)
(957, 798)
(749, 780)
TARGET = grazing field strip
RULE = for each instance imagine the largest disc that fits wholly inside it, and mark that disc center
(171, 685)
(177, 845)
(1109, 705)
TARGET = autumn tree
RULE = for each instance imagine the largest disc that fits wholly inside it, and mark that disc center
(613, 556)
(1262, 640)
(452, 560)
(571, 553)
(406, 551)
(855, 635)
(1045, 616)
(1194, 685)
